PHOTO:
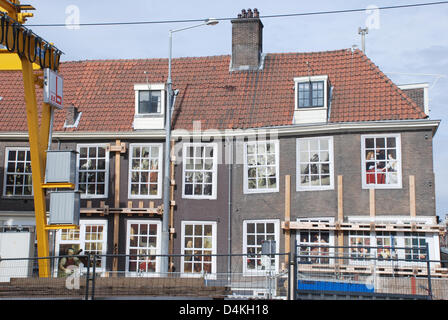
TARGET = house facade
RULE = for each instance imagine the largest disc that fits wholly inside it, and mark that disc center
(299, 148)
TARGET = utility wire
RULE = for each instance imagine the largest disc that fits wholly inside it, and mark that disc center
(224, 19)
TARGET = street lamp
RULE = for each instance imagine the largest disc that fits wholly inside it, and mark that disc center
(167, 173)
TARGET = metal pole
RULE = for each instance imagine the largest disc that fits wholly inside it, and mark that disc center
(167, 180)
(167, 155)
(428, 265)
(93, 277)
(87, 277)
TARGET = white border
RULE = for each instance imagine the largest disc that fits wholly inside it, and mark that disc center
(158, 223)
(214, 247)
(106, 176)
(82, 241)
(398, 185)
(298, 80)
(213, 196)
(246, 190)
(159, 183)
(150, 87)
(276, 222)
(331, 158)
(5, 173)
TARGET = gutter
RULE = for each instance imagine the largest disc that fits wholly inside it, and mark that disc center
(280, 130)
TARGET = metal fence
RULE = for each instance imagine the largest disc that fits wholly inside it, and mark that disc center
(368, 272)
(312, 272)
(194, 276)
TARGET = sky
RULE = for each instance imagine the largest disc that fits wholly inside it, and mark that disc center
(410, 45)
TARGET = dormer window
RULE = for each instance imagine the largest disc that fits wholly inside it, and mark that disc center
(311, 94)
(149, 101)
(311, 99)
(149, 106)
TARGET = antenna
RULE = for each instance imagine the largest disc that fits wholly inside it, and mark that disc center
(363, 33)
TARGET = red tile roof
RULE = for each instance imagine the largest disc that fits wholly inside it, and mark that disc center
(208, 92)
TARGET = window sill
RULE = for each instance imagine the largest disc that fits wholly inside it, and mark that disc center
(379, 186)
(199, 197)
(256, 191)
(4, 197)
(149, 115)
(329, 188)
(144, 197)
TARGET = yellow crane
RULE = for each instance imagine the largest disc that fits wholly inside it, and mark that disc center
(34, 53)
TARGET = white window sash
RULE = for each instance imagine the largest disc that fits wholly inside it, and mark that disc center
(160, 171)
(214, 172)
(133, 273)
(85, 195)
(246, 189)
(246, 271)
(213, 249)
(82, 242)
(397, 185)
(299, 186)
(5, 174)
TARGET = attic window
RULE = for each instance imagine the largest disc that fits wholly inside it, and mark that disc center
(311, 92)
(149, 101)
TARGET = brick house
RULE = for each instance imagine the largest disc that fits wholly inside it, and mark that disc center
(356, 147)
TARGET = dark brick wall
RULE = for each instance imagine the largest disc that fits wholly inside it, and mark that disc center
(246, 42)
(417, 95)
(416, 150)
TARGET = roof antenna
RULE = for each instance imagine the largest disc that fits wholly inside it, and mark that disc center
(363, 33)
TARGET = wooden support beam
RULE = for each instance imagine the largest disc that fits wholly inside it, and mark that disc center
(340, 232)
(412, 207)
(118, 148)
(287, 216)
(372, 207)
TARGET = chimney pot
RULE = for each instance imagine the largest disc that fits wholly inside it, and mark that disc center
(243, 13)
(249, 13)
(256, 13)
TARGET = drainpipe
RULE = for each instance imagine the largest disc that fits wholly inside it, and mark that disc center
(229, 205)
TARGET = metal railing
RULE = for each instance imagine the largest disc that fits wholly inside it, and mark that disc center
(375, 271)
(328, 272)
(193, 276)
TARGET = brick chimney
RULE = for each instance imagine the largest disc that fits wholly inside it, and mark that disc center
(247, 41)
(72, 116)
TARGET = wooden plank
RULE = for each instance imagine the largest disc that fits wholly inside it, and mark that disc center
(340, 199)
(117, 176)
(372, 202)
(412, 207)
(340, 233)
(287, 215)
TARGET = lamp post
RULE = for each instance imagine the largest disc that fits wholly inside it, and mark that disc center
(167, 173)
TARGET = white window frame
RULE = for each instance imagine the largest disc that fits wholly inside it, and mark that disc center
(157, 249)
(331, 237)
(150, 87)
(160, 171)
(397, 185)
(213, 196)
(106, 175)
(5, 173)
(276, 222)
(277, 167)
(213, 249)
(298, 80)
(299, 186)
(82, 242)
